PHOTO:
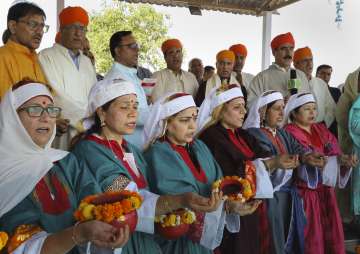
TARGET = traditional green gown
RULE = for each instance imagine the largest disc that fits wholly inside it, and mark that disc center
(53, 211)
(354, 130)
(170, 174)
(101, 157)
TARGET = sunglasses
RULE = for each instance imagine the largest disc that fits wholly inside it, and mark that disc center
(133, 45)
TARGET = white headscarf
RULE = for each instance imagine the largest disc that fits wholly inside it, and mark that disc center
(253, 119)
(160, 111)
(103, 92)
(212, 101)
(23, 163)
(295, 101)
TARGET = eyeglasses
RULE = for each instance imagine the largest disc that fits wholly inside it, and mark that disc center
(37, 111)
(33, 25)
(133, 45)
(76, 27)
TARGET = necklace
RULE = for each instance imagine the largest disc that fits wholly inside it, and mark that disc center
(112, 151)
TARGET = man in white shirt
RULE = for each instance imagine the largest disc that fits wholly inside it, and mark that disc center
(173, 78)
(240, 52)
(69, 71)
(277, 76)
(303, 60)
(125, 51)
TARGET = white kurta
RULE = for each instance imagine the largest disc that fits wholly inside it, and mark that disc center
(72, 85)
(215, 81)
(342, 110)
(325, 103)
(167, 82)
(274, 78)
(247, 78)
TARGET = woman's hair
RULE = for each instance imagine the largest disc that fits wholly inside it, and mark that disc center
(216, 116)
(217, 113)
(26, 81)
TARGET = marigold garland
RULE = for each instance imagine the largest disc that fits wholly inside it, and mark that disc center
(3, 239)
(109, 210)
(246, 192)
(185, 216)
(22, 233)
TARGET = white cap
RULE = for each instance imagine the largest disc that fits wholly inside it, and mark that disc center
(103, 92)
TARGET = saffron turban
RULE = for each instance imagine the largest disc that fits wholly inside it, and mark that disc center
(225, 54)
(239, 49)
(302, 53)
(282, 39)
(171, 43)
(71, 15)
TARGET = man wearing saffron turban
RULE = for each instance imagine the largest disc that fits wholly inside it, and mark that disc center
(69, 72)
(241, 52)
(303, 60)
(225, 60)
(173, 78)
(277, 76)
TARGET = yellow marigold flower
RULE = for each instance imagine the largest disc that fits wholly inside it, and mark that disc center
(87, 211)
(3, 239)
(136, 202)
(216, 184)
(172, 219)
(187, 217)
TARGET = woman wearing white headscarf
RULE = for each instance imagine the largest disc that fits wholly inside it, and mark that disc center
(239, 153)
(180, 164)
(323, 231)
(285, 210)
(41, 187)
(117, 164)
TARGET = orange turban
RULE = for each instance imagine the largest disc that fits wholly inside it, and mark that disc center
(239, 49)
(282, 39)
(302, 53)
(58, 37)
(225, 54)
(70, 15)
(171, 43)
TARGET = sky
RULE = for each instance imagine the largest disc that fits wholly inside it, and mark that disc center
(312, 22)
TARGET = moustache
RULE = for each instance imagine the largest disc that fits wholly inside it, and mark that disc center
(37, 36)
(287, 57)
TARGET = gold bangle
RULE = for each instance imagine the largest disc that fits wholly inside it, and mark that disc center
(73, 236)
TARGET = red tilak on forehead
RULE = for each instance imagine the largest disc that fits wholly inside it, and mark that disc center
(43, 103)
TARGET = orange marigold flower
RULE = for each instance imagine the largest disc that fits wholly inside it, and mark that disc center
(108, 206)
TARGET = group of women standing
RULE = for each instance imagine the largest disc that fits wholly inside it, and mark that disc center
(295, 169)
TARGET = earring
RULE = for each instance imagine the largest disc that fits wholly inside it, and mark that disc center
(163, 133)
(102, 123)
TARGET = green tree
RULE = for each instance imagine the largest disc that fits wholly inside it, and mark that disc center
(148, 26)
